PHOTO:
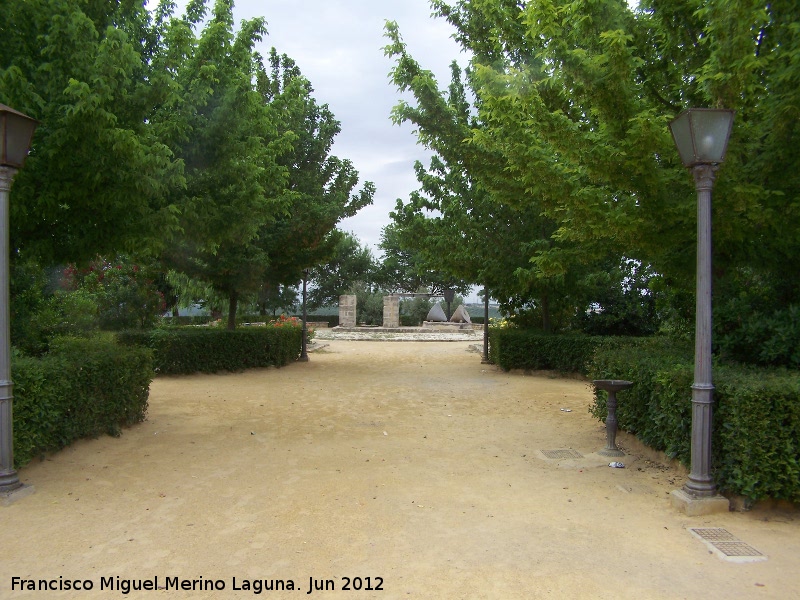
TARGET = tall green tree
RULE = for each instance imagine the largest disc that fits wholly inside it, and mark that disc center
(323, 186)
(464, 220)
(614, 98)
(99, 177)
(350, 265)
(574, 98)
(264, 193)
(236, 185)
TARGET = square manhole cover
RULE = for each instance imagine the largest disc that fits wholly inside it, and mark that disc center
(562, 453)
(726, 545)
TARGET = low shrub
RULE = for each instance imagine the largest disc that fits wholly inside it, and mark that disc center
(209, 350)
(81, 388)
(413, 311)
(654, 408)
(331, 320)
(756, 414)
(409, 321)
(186, 320)
(757, 432)
(512, 348)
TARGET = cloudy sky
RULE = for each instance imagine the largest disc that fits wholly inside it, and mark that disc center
(338, 45)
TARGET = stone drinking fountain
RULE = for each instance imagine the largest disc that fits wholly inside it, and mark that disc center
(612, 386)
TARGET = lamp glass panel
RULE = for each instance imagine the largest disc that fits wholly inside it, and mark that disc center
(711, 129)
(18, 134)
(682, 134)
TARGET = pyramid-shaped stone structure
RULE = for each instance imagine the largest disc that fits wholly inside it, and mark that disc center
(436, 314)
(460, 315)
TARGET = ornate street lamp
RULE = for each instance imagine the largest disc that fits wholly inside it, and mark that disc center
(304, 342)
(16, 131)
(701, 135)
(485, 358)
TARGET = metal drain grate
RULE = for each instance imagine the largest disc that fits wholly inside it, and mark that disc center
(737, 549)
(562, 453)
(727, 545)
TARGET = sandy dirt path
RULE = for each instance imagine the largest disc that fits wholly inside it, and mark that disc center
(409, 467)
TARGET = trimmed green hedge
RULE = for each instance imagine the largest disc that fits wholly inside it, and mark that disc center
(187, 320)
(81, 388)
(524, 349)
(654, 409)
(756, 414)
(756, 418)
(758, 432)
(331, 320)
(208, 350)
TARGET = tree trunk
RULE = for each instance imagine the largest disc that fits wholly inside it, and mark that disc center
(546, 326)
(263, 299)
(233, 301)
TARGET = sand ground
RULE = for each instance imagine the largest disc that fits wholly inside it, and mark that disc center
(409, 468)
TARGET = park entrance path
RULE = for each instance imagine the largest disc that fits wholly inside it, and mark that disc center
(406, 466)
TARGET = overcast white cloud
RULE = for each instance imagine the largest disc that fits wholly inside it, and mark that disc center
(338, 45)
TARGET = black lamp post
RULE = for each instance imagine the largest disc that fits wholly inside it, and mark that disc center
(485, 360)
(16, 131)
(304, 343)
(701, 135)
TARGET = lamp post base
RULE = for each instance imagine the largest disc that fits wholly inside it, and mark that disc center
(9, 497)
(611, 452)
(695, 506)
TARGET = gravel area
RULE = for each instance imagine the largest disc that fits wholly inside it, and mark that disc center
(409, 334)
(374, 470)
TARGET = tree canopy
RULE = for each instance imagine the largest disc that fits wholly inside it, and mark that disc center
(571, 101)
(99, 176)
(170, 136)
(350, 265)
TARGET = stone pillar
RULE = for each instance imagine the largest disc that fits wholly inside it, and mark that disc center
(391, 311)
(347, 311)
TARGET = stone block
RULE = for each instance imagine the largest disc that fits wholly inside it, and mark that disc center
(23, 491)
(347, 311)
(696, 506)
(391, 311)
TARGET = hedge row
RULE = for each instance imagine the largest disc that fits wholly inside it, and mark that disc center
(81, 388)
(208, 350)
(524, 349)
(756, 418)
(184, 321)
(756, 415)
(331, 320)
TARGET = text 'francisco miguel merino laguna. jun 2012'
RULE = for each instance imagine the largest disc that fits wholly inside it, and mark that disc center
(201, 584)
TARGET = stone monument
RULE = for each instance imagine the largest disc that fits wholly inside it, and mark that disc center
(437, 320)
(347, 311)
(436, 314)
(391, 311)
(460, 315)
